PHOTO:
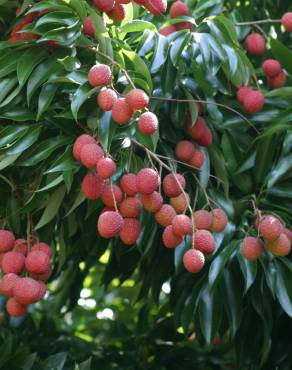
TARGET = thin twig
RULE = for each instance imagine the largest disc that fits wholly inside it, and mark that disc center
(262, 21)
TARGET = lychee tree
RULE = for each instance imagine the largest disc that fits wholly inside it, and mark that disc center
(145, 177)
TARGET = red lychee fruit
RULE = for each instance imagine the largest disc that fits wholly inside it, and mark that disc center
(288, 233)
(202, 219)
(26, 290)
(121, 111)
(110, 224)
(182, 225)
(242, 93)
(252, 248)
(193, 260)
(207, 138)
(99, 75)
(130, 231)
(128, 184)
(88, 28)
(180, 203)
(106, 99)
(105, 168)
(197, 130)
(167, 30)
(7, 240)
(79, 143)
(148, 181)
(287, 21)
(271, 67)
(169, 238)
(270, 228)
(280, 247)
(42, 291)
(197, 159)
(137, 99)
(130, 207)
(118, 12)
(204, 241)
(140, 2)
(15, 308)
(123, 1)
(112, 194)
(178, 9)
(156, 7)
(92, 186)
(37, 262)
(20, 245)
(183, 26)
(173, 184)
(219, 220)
(253, 101)
(277, 81)
(255, 44)
(90, 154)
(152, 202)
(44, 276)
(12, 262)
(184, 150)
(43, 247)
(104, 5)
(148, 123)
(165, 215)
(7, 284)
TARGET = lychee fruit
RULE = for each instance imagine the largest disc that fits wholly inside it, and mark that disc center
(20, 245)
(287, 21)
(219, 220)
(112, 194)
(7, 284)
(156, 7)
(169, 238)
(167, 30)
(106, 99)
(193, 260)
(104, 5)
(130, 231)
(92, 186)
(26, 290)
(207, 138)
(178, 9)
(165, 215)
(137, 99)
(105, 168)
(196, 130)
(130, 207)
(15, 308)
(110, 224)
(88, 28)
(90, 154)
(270, 228)
(255, 44)
(242, 93)
(7, 240)
(180, 203)
(42, 291)
(148, 123)
(182, 225)
(204, 241)
(253, 101)
(184, 150)
(128, 184)
(12, 262)
(118, 12)
(99, 75)
(121, 111)
(197, 159)
(79, 143)
(271, 67)
(37, 262)
(148, 181)
(252, 248)
(288, 233)
(183, 26)
(152, 202)
(202, 219)
(277, 81)
(173, 184)
(44, 276)
(280, 247)
(43, 247)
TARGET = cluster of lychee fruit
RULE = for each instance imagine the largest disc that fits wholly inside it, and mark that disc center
(274, 72)
(272, 234)
(26, 266)
(198, 130)
(122, 108)
(177, 9)
(251, 100)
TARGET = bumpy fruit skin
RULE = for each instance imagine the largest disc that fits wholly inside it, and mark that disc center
(106, 99)
(178, 9)
(148, 123)
(193, 260)
(280, 247)
(207, 138)
(118, 12)
(128, 184)
(137, 99)
(288, 233)
(167, 30)
(15, 308)
(171, 185)
(88, 28)
(43, 247)
(252, 248)
(196, 131)
(185, 150)
(104, 5)
(202, 219)
(197, 159)
(20, 245)
(110, 224)
(182, 225)
(287, 21)
(112, 194)
(90, 154)
(270, 228)
(219, 220)
(271, 67)
(13, 262)
(255, 44)
(42, 291)
(180, 202)
(156, 7)
(44, 276)
(130, 207)
(130, 231)
(242, 93)
(92, 186)
(79, 143)
(277, 81)
(7, 284)
(165, 215)
(152, 202)
(204, 241)
(7, 240)
(105, 168)
(169, 238)
(99, 75)
(37, 262)
(121, 111)
(254, 101)
(148, 181)
(26, 290)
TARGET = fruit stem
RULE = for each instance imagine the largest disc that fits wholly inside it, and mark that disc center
(114, 198)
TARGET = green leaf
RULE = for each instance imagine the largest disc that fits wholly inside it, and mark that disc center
(282, 54)
(45, 98)
(284, 287)
(137, 26)
(249, 270)
(81, 95)
(55, 362)
(29, 60)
